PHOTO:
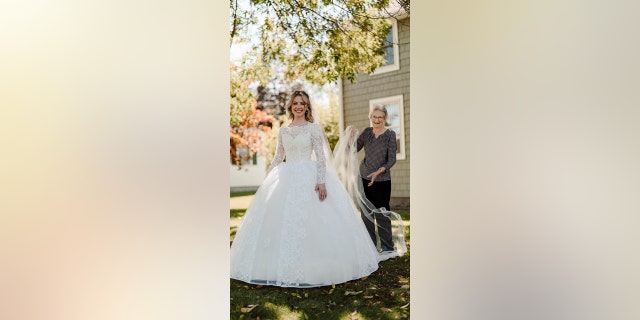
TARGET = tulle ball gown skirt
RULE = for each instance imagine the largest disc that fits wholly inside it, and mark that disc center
(289, 238)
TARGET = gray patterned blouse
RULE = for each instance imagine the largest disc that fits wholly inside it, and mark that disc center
(378, 152)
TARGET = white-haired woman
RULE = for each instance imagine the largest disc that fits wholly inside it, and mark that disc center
(379, 145)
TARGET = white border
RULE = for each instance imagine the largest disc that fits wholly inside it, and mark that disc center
(399, 99)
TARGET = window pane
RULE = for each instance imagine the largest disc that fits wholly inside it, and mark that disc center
(389, 40)
(393, 116)
(388, 48)
(388, 56)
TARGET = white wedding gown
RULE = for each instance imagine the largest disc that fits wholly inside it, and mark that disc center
(290, 238)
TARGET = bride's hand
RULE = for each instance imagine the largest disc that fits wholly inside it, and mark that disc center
(322, 191)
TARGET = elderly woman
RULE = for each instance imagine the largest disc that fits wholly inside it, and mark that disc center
(379, 145)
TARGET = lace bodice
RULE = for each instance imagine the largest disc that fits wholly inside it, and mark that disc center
(297, 143)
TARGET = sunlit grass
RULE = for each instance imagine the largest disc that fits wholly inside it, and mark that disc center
(241, 194)
(237, 213)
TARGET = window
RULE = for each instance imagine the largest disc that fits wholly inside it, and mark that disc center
(390, 48)
(395, 120)
(246, 158)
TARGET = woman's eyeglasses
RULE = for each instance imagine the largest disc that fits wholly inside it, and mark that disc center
(377, 118)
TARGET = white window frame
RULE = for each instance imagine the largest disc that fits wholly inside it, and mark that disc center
(390, 103)
(396, 52)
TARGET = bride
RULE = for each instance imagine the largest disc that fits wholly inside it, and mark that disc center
(302, 228)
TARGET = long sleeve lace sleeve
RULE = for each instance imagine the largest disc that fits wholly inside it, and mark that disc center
(279, 156)
(316, 144)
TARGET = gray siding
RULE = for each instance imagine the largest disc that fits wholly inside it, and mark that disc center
(356, 98)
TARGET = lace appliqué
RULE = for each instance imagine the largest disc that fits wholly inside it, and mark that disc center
(297, 144)
(293, 233)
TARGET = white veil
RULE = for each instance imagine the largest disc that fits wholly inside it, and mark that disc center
(344, 162)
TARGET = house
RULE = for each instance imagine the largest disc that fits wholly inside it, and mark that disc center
(250, 176)
(388, 86)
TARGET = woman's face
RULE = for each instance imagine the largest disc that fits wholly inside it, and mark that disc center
(377, 119)
(298, 107)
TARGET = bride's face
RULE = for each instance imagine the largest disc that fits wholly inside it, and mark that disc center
(298, 107)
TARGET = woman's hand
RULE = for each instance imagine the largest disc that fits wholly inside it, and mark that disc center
(372, 176)
(322, 191)
(352, 133)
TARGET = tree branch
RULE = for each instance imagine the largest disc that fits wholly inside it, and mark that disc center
(235, 20)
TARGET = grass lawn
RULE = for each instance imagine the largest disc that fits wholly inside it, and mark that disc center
(382, 295)
(241, 194)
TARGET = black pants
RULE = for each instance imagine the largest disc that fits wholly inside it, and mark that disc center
(379, 194)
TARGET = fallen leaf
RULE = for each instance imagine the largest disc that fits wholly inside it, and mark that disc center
(248, 309)
(259, 286)
(352, 293)
(406, 286)
(385, 309)
(405, 306)
(368, 297)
